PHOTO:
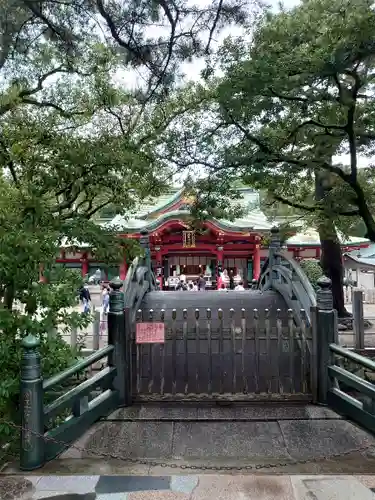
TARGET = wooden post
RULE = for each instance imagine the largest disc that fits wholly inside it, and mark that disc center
(96, 331)
(123, 269)
(85, 265)
(144, 241)
(358, 320)
(256, 262)
(326, 323)
(31, 402)
(73, 337)
(273, 259)
(117, 336)
(314, 354)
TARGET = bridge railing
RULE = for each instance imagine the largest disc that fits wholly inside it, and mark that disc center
(352, 395)
(284, 275)
(212, 355)
(139, 280)
(52, 419)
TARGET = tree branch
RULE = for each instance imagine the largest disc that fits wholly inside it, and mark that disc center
(312, 208)
(47, 104)
(213, 27)
(317, 124)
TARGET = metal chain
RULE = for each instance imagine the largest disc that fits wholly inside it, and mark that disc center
(152, 463)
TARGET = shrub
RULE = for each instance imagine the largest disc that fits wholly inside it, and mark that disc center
(313, 270)
(56, 355)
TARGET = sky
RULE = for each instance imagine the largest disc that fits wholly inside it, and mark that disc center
(192, 71)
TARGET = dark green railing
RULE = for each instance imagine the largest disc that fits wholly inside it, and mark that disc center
(361, 406)
(344, 391)
(79, 407)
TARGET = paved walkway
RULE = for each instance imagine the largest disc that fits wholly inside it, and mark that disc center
(194, 487)
(281, 439)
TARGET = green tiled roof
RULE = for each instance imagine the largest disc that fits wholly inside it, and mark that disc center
(153, 205)
(310, 237)
(253, 218)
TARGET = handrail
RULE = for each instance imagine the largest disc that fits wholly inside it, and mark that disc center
(301, 275)
(353, 356)
(80, 365)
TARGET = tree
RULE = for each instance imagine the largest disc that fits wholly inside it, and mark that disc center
(75, 140)
(299, 94)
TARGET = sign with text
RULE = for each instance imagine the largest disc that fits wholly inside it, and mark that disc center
(150, 333)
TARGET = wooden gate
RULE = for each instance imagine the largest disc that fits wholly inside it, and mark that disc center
(203, 355)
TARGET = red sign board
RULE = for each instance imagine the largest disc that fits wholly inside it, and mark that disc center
(150, 333)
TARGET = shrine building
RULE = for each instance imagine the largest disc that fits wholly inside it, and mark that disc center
(238, 246)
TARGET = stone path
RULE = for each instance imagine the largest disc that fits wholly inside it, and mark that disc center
(87, 333)
(194, 487)
(147, 440)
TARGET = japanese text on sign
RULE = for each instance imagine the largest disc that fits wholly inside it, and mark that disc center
(150, 333)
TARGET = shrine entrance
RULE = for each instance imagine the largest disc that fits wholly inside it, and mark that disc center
(190, 265)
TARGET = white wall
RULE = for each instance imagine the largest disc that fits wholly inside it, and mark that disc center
(364, 279)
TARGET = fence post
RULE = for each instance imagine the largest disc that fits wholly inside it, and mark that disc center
(314, 354)
(96, 331)
(358, 320)
(326, 323)
(116, 337)
(273, 259)
(32, 417)
(144, 241)
(73, 337)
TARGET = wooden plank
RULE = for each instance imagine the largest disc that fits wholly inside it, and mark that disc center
(352, 380)
(344, 406)
(58, 440)
(102, 379)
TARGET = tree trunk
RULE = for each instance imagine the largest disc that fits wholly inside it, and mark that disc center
(331, 262)
(331, 255)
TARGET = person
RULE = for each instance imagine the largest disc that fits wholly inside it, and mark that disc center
(85, 299)
(183, 277)
(237, 279)
(105, 309)
(181, 286)
(105, 300)
(239, 287)
(201, 283)
(220, 280)
(231, 281)
(223, 288)
(225, 276)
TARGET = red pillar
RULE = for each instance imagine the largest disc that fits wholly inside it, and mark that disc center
(85, 265)
(123, 269)
(256, 262)
(159, 265)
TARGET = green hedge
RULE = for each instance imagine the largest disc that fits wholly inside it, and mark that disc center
(313, 270)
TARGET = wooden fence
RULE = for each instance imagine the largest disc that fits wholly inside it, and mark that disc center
(235, 355)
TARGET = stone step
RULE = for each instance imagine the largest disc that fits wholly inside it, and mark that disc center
(223, 411)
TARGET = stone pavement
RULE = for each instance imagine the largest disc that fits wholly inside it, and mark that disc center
(151, 440)
(194, 487)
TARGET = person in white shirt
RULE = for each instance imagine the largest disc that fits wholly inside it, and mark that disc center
(239, 287)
